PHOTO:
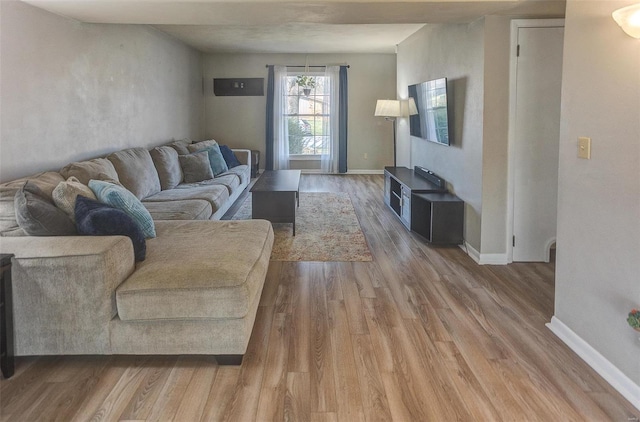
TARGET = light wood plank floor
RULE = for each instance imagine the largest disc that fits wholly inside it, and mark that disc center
(420, 333)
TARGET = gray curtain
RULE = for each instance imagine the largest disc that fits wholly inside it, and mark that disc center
(269, 131)
(344, 113)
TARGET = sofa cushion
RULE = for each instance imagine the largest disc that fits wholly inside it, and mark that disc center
(37, 215)
(119, 197)
(195, 167)
(98, 169)
(243, 171)
(197, 146)
(180, 146)
(216, 195)
(136, 171)
(230, 181)
(47, 182)
(194, 209)
(198, 269)
(167, 165)
(65, 194)
(96, 219)
(229, 157)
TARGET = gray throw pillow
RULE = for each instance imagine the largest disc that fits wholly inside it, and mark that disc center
(196, 167)
(8, 223)
(38, 216)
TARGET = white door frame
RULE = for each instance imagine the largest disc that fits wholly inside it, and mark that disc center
(513, 69)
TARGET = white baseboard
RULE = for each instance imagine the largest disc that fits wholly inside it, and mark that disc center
(618, 380)
(484, 258)
(318, 171)
(374, 171)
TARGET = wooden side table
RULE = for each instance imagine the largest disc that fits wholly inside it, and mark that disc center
(7, 363)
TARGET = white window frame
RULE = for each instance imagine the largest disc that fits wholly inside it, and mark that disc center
(305, 157)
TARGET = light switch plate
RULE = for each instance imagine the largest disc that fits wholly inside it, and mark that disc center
(584, 147)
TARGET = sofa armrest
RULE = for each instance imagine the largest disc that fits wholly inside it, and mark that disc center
(243, 155)
(64, 291)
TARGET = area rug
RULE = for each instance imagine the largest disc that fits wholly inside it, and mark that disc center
(327, 229)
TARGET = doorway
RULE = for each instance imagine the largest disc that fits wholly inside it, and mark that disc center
(534, 137)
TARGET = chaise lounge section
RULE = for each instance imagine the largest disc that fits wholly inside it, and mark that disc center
(197, 291)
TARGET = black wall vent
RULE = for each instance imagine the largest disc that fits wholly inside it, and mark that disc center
(246, 87)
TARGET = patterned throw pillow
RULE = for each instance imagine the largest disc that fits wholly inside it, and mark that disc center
(65, 194)
(38, 216)
(229, 157)
(96, 219)
(120, 198)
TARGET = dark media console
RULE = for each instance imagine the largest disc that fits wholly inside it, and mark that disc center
(420, 199)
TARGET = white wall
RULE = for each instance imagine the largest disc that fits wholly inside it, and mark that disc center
(457, 53)
(240, 121)
(72, 91)
(598, 258)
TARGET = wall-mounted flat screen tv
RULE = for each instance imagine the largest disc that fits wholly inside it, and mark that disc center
(432, 121)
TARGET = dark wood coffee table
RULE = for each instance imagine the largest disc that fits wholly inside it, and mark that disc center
(275, 195)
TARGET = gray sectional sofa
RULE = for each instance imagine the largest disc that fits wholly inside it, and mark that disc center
(197, 291)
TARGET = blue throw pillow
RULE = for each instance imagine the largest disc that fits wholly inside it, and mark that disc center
(96, 219)
(218, 165)
(120, 198)
(229, 157)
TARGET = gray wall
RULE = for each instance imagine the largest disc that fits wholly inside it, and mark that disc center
(475, 59)
(598, 261)
(72, 91)
(455, 52)
(495, 138)
(240, 121)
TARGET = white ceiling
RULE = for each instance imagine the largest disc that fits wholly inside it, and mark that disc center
(279, 26)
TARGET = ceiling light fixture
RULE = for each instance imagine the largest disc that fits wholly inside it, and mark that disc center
(629, 19)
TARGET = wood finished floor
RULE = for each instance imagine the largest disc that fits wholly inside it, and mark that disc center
(419, 334)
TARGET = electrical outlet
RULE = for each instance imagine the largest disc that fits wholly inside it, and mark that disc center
(366, 155)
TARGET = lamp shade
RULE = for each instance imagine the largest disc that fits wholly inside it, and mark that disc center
(388, 108)
(408, 107)
(396, 108)
(629, 19)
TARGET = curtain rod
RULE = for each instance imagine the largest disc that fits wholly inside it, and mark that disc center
(295, 65)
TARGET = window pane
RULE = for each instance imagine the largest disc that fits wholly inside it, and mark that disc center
(308, 120)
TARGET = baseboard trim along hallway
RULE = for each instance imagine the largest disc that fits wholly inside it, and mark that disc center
(618, 380)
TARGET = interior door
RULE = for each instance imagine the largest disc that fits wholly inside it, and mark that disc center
(536, 142)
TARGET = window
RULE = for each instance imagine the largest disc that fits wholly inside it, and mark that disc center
(307, 114)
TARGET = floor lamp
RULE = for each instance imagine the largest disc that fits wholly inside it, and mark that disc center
(391, 110)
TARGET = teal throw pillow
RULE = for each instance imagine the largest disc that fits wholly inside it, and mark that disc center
(218, 165)
(120, 198)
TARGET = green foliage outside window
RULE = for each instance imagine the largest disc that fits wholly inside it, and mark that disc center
(297, 141)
